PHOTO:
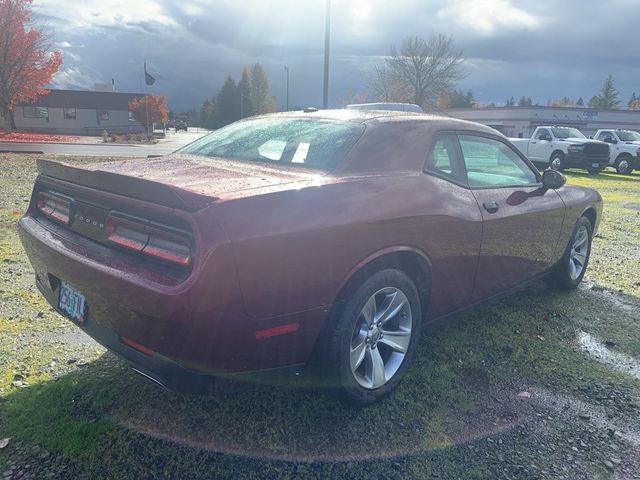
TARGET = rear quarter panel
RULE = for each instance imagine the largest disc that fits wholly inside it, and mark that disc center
(295, 249)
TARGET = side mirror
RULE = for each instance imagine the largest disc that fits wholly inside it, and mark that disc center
(553, 179)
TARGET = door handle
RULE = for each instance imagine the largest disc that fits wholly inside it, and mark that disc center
(532, 142)
(491, 207)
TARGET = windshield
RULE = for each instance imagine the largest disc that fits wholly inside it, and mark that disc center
(629, 136)
(567, 133)
(314, 143)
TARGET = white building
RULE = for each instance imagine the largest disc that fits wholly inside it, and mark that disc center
(522, 121)
(78, 112)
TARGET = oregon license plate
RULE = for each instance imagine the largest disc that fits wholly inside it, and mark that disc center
(72, 303)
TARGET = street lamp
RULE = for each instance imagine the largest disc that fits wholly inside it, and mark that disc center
(327, 34)
(287, 70)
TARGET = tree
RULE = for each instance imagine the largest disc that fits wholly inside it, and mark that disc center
(208, 113)
(456, 99)
(244, 94)
(635, 105)
(386, 87)
(525, 101)
(260, 99)
(580, 102)
(607, 98)
(510, 103)
(26, 60)
(227, 104)
(424, 68)
(563, 102)
(632, 100)
(157, 106)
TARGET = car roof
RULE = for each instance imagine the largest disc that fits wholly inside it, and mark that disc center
(384, 116)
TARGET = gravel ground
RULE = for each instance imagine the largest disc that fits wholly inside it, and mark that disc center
(540, 385)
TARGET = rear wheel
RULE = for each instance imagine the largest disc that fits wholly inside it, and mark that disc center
(624, 165)
(375, 336)
(569, 272)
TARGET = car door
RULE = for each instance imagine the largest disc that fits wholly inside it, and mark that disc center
(521, 220)
(539, 147)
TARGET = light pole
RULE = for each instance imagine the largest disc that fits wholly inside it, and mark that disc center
(287, 70)
(327, 35)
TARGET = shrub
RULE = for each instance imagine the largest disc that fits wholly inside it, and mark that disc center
(113, 137)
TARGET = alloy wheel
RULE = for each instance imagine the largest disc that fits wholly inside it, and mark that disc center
(579, 250)
(381, 337)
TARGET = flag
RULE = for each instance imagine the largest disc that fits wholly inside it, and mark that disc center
(148, 79)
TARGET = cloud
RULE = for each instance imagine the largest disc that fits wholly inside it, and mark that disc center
(487, 16)
(72, 78)
(543, 49)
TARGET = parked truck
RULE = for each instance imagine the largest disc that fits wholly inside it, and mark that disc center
(564, 147)
(624, 148)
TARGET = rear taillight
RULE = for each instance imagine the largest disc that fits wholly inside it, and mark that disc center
(159, 241)
(55, 206)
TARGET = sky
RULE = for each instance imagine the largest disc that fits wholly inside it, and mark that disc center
(543, 49)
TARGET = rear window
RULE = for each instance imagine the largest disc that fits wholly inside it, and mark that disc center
(315, 143)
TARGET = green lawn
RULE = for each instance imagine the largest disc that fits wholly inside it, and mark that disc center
(81, 413)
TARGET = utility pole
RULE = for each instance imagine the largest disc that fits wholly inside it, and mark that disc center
(327, 35)
(287, 70)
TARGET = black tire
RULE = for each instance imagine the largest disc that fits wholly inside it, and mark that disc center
(595, 171)
(345, 318)
(624, 164)
(561, 276)
(557, 159)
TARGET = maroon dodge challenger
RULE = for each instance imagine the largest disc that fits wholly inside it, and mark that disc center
(333, 235)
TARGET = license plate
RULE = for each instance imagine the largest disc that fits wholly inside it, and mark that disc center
(595, 165)
(72, 303)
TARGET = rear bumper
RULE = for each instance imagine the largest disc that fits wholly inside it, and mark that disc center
(166, 372)
(197, 327)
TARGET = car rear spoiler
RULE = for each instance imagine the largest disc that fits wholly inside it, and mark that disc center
(134, 187)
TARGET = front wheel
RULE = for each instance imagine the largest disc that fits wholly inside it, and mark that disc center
(573, 265)
(375, 336)
(556, 162)
(595, 171)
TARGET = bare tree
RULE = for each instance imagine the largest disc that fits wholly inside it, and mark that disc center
(385, 87)
(424, 68)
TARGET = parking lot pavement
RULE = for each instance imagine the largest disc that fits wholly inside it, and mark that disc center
(170, 143)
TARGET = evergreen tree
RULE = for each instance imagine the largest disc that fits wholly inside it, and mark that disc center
(632, 100)
(525, 101)
(208, 113)
(259, 90)
(607, 98)
(580, 102)
(470, 99)
(511, 102)
(227, 104)
(244, 94)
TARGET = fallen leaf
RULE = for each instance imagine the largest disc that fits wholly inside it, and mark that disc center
(4, 442)
(523, 394)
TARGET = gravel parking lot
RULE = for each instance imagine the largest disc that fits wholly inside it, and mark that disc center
(540, 385)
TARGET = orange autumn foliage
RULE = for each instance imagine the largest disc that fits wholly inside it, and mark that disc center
(158, 111)
(26, 60)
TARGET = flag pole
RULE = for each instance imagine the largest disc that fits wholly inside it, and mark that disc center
(146, 96)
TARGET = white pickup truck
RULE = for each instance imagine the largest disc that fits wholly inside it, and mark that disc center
(624, 148)
(564, 147)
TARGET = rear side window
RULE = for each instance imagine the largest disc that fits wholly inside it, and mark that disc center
(491, 163)
(315, 143)
(443, 157)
